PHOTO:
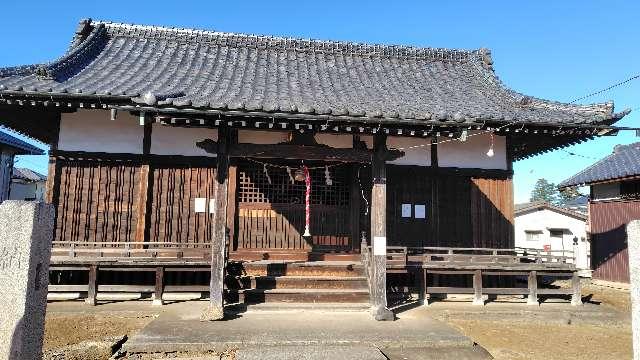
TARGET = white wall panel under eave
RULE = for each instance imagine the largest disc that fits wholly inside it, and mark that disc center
(472, 153)
(94, 131)
(172, 140)
(337, 141)
(262, 137)
(417, 151)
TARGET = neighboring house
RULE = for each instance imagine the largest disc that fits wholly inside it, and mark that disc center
(543, 226)
(194, 141)
(614, 201)
(579, 204)
(27, 184)
(10, 146)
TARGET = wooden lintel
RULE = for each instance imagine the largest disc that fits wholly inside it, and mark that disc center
(299, 152)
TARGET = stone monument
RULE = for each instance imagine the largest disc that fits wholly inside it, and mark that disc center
(26, 229)
(633, 241)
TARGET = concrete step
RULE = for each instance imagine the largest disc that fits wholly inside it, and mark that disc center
(254, 296)
(301, 282)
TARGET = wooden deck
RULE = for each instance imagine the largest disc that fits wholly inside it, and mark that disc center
(480, 263)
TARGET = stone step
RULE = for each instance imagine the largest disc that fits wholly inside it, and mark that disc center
(301, 282)
(255, 296)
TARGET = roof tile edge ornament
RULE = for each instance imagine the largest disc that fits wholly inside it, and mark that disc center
(82, 52)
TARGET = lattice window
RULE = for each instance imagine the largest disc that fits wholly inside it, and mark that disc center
(254, 187)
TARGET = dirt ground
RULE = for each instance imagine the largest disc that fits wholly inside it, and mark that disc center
(70, 335)
(532, 338)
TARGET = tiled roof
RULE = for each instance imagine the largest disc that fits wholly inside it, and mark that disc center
(623, 162)
(27, 174)
(524, 208)
(167, 67)
(21, 147)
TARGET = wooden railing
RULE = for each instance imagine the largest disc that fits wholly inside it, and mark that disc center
(425, 262)
(403, 257)
(102, 251)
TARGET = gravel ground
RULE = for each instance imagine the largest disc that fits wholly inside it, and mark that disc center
(94, 334)
(543, 337)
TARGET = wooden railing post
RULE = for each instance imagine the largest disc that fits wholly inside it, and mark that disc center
(576, 297)
(477, 288)
(159, 288)
(92, 290)
(532, 299)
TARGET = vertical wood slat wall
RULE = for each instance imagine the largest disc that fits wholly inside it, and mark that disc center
(492, 213)
(609, 250)
(462, 211)
(98, 202)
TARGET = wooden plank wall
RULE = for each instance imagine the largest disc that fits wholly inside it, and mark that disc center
(97, 201)
(492, 213)
(607, 222)
(174, 190)
(462, 211)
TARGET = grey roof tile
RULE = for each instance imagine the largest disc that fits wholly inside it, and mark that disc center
(208, 69)
(623, 162)
(21, 147)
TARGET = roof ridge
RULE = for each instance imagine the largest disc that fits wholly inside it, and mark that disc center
(300, 44)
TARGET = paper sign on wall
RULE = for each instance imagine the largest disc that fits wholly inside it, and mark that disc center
(200, 205)
(406, 210)
(212, 206)
(420, 211)
(380, 245)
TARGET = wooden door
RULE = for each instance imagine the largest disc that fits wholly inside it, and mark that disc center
(271, 210)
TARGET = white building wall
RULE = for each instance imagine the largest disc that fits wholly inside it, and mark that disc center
(171, 140)
(29, 190)
(92, 130)
(546, 220)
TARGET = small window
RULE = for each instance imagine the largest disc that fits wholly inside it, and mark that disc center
(556, 233)
(533, 235)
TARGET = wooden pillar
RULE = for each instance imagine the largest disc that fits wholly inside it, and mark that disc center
(477, 288)
(355, 207)
(92, 290)
(159, 289)
(532, 299)
(143, 203)
(379, 231)
(576, 297)
(423, 288)
(215, 310)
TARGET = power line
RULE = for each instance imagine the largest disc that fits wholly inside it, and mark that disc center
(606, 89)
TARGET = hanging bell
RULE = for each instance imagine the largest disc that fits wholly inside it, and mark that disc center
(299, 174)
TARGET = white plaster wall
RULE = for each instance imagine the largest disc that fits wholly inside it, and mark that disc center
(473, 152)
(262, 137)
(94, 131)
(543, 220)
(417, 151)
(173, 140)
(22, 191)
(338, 141)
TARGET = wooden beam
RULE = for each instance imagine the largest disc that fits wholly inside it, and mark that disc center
(379, 231)
(298, 152)
(215, 310)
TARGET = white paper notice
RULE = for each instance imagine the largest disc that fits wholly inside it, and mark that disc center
(406, 210)
(420, 211)
(380, 245)
(212, 206)
(200, 205)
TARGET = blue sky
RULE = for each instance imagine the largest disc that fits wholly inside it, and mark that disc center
(558, 50)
